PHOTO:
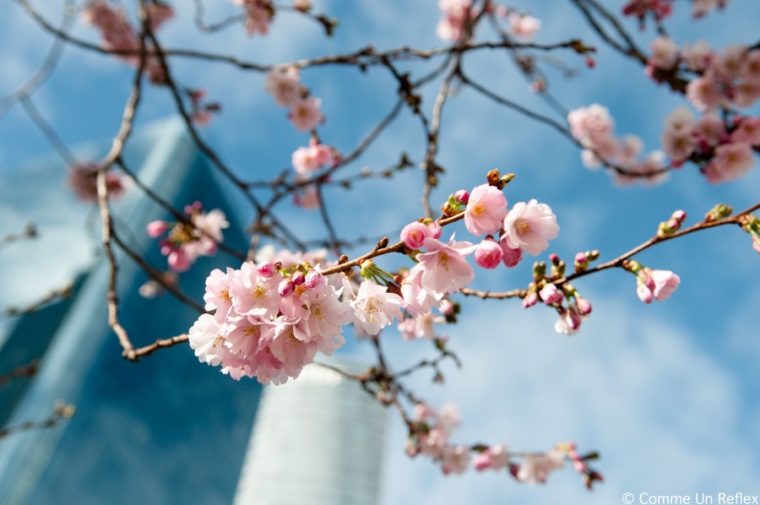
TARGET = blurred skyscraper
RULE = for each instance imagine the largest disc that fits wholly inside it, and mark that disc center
(168, 429)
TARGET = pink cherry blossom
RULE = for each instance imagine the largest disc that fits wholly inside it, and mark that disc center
(731, 162)
(535, 469)
(665, 283)
(420, 326)
(307, 197)
(698, 56)
(494, 458)
(374, 307)
(305, 113)
(252, 294)
(83, 180)
(417, 299)
(307, 160)
(748, 131)
(703, 93)
(529, 226)
(444, 268)
(188, 241)
(456, 14)
(488, 254)
(283, 83)
(485, 211)
(523, 26)
(258, 15)
(206, 338)
(455, 459)
(217, 295)
(664, 53)
(710, 130)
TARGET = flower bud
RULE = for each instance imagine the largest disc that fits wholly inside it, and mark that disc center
(297, 278)
(488, 254)
(156, 228)
(551, 295)
(462, 196)
(718, 212)
(312, 279)
(584, 306)
(266, 269)
(530, 299)
(285, 288)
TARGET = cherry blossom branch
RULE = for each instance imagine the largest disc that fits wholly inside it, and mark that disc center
(60, 413)
(362, 58)
(738, 219)
(52, 296)
(28, 233)
(24, 370)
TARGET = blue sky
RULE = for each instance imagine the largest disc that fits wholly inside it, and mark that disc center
(666, 392)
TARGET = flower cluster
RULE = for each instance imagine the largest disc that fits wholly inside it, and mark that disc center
(119, 35)
(83, 180)
(258, 15)
(658, 9)
(652, 284)
(431, 430)
(305, 110)
(728, 79)
(594, 128)
(661, 9)
(431, 438)
(269, 320)
(724, 152)
(197, 235)
(563, 297)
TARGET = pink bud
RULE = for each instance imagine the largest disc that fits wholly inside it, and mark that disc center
(488, 254)
(530, 300)
(178, 260)
(551, 295)
(462, 196)
(573, 320)
(584, 306)
(510, 257)
(580, 258)
(679, 216)
(482, 461)
(297, 278)
(285, 288)
(414, 234)
(266, 269)
(156, 228)
(312, 279)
